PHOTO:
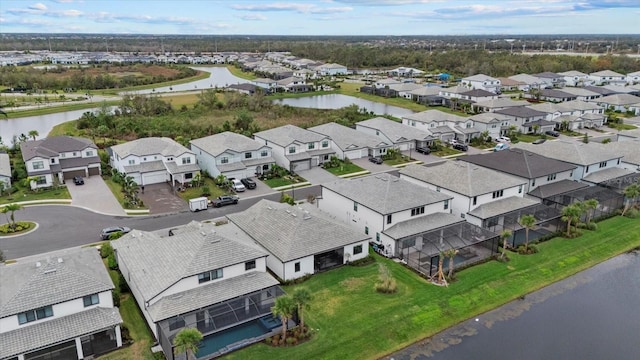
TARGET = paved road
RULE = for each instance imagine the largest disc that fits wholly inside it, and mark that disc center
(62, 226)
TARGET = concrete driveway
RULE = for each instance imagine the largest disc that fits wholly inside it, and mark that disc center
(160, 199)
(373, 168)
(260, 190)
(317, 175)
(94, 195)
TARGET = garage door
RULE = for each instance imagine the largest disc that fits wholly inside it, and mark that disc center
(156, 177)
(355, 154)
(94, 171)
(235, 174)
(70, 174)
(301, 165)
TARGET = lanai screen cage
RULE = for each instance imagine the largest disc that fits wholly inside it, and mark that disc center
(619, 184)
(422, 251)
(548, 221)
(608, 200)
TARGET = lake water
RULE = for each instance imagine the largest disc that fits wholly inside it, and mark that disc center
(337, 101)
(590, 316)
(42, 124)
(220, 77)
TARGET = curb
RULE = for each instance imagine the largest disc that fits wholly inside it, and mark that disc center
(40, 202)
(289, 187)
(25, 233)
(417, 162)
(358, 173)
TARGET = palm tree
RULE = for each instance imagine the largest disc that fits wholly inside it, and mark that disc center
(301, 297)
(26, 182)
(570, 213)
(528, 222)
(505, 235)
(12, 208)
(33, 134)
(283, 307)
(631, 192)
(187, 341)
(451, 253)
(590, 206)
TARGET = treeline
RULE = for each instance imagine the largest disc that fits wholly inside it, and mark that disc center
(94, 77)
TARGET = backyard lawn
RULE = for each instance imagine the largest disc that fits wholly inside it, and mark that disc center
(344, 169)
(353, 321)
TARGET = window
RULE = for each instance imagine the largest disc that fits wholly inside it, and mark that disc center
(377, 132)
(292, 149)
(247, 155)
(53, 161)
(618, 161)
(366, 230)
(497, 194)
(144, 159)
(41, 180)
(132, 162)
(462, 215)
(438, 188)
(296, 267)
(186, 160)
(587, 169)
(250, 265)
(475, 200)
(417, 211)
(33, 315)
(74, 154)
(62, 155)
(224, 160)
(91, 300)
(209, 275)
(169, 159)
(389, 219)
(176, 323)
(378, 237)
(264, 153)
(603, 164)
(325, 143)
(446, 204)
(355, 206)
(311, 146)
(551, 177)
(413, 123)
(357, 249)
(188, 176)
(37, 165)
(520, 189)
(533, 182)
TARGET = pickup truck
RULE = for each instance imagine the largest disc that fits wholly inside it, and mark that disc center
(224, 200)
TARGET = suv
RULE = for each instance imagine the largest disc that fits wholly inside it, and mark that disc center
(376, 160)
(503, 139)
(106, 233)
(237, 185)
(78, 180)
(248, 183)
(460, 146)
(224, 200)
(552, 133)
(423, 150)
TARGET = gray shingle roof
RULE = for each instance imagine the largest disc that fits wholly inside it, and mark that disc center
(422, 224)
(347, 138)
(5, 165)
(556, 188)
(394, 130)
(619, 99)
(573, 152)
(502, 206)
(385, 193)
(519, 162)
(488, 117)
(47, 333)
(210, 294)
(293, 232)
(150, 146)
(607, 174)
(600, 90)
(61, 276)
(578, 91)
(630, 150)
(520, 111)
(219, 143)
(144, 167)
(428, 116)
(53, 146)
(288, 134)
(462, 177)
(478, 93)
(606, 73)
(501, 103)
(156, 263)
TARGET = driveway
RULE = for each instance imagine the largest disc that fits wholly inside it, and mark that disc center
(317, 175)
(95, 196)
(160, 199)
(373, 168)
(260, 190)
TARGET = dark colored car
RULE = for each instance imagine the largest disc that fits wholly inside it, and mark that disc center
(424, 150)
(376, 160)
(552, 133)
(78, 180)
(248, 183)
(106, 233)
(461, 147)
(224, 200)
(538, 141)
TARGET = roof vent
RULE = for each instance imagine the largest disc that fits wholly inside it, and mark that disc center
(49, 271)
(306, 215)
(38, 264)
(60, 261)
(216, 240)
(269, 207)
(203, 233)
(294, 215)
(288, 211)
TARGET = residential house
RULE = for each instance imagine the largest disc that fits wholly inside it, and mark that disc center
(633, 78)
(199, 276)
(627, 135)
(331, 70)
(482, 82)
(246, 88)
(375, 204)
(443, 126)
(606, 77)
(155, 160)
(630, 151)
(490, 122)
(524, 119)
(581, 94)
(576, 78)
(550, 79)
(293, 84)
(300, 240)
(58, 305)
(55, 159)
(295, 148)
(477, 95)
(304, 74)
(269, 85)
(233, 155)
(622, 89)
(428, 95)
(497, 104)
(404, 90)
(5, 171)
(386, 83)
(620, 102)
(401, 136)
(603, 91)
(551, 95)
(405, 72)
(531, 82)
(349, 143)
(507, 84)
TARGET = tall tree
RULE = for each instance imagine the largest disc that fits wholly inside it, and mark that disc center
(528, 222)
(505, 235)
(631, 192)
(187, 341)
(451, 254)
(12, 208)
(590, 206)
(301, 297)
(33, 134)
(570, 214)
(283, 307)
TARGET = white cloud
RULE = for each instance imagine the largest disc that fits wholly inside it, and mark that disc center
(253, 17)
(38, 6)
(295, 7)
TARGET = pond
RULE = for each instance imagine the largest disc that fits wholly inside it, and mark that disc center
(41, 123)
(337, 101)
(220, 77)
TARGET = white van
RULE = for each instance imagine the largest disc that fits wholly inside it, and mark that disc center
(237, 185)
(501, 146)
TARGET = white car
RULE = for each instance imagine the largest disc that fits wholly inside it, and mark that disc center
(503, 139)
(237, 185)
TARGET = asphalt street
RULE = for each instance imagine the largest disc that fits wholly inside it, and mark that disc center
(63, 226)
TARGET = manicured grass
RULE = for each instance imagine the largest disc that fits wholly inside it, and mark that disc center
(28, 195)
(446, 151)
(621, 126)
(116, 189)
(241, 74)
(352, 321)
(195, 192)
(55, 109)
(352, 89)
(344, 169)
(526, 138)
(201, 75)
(284, 181)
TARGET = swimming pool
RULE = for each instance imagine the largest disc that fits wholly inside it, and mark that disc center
(217, 341)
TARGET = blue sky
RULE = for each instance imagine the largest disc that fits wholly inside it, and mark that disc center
(322, 17)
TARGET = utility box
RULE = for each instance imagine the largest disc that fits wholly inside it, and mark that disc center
(198, 204)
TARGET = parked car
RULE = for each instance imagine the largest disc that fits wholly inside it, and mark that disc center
(538, 141)
(460, 146)
(248, 183)
(78, 180)
(423, 150)
(224, 200)
(503, 139)
(237, 185)
(106, 233)
(501, 146)
(376, 160)
(552, 133)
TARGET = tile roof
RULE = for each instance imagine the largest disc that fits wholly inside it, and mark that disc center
(548, 75)
(479, 77)
(570, 151)
(520, 111)
(385, 193)
(145, 167)
(56, 330)
(519, 162)
(502, 206)
(5, 165)
(53, 146)
(557, 188)
(51, 278)
(210, 294)
(526, 78)
(292, 232)
(501, 103)
(630, 150)
(619, 99)
(488, 117)
(394, 130)
(288, 134)
(422, 224)
(218, 143)
(462, 177)
(572, 73)
(150, 146)
(428, 116)
(606, 73)
(156, 263)
(607, 174)
(427, 91)
(347, 138)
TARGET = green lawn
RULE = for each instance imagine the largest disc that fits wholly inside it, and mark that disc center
(194, 192)
(56, 109)
(241, 74)
(344, 169)
(116, 189)
(446, 151)
(621, 126)
(353, 89)
(399, 160)
(353, 321)
(284, 181)
(527, 138)
(28, 195)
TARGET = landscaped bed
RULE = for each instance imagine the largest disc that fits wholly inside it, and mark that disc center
(29, 195)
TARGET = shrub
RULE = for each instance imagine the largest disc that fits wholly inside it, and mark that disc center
(631, 213)
(106, 250)
(291, 341)
(124, 333)
(115, 295)
(111, 261)
(286, 198)
(386, 283)
(364, 261)
(606, 141)
(124, 287)
(532, 249)
(205, 191)
(268, 341)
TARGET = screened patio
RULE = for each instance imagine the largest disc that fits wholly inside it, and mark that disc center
(608, 200)
(547, 222)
